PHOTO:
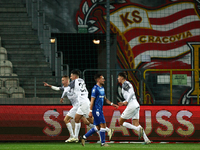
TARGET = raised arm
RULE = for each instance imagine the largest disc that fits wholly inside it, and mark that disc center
(51, 86)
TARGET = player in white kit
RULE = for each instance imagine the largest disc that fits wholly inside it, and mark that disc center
(79, 88)
(74, 101)
(132, 109)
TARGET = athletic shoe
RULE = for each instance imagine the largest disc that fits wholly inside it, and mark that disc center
(110, 133)
(99, 141)
(105, 145)
(140, 134)
(69, 140)
(76, 140)
(82, 140)
(147, 142)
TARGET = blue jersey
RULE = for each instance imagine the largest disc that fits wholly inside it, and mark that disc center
(98, 93)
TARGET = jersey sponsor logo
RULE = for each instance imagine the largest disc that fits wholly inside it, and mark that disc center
(97, 113)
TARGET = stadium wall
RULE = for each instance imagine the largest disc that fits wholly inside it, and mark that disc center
(45, 123)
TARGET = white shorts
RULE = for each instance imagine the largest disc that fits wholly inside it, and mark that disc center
(131, 113)
(84, 109)
(72, 111)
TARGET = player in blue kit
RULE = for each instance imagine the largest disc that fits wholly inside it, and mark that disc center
(96, 110)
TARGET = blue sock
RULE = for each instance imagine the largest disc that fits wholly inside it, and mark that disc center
(91, 131)
(102, 134)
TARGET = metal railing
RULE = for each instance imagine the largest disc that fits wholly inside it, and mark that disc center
(113, 79)
(31, 84)
(53, 56)
(196, 88)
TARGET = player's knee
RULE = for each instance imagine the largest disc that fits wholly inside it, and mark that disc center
(86, 122)
(66, 121)
(77, 120)
(121, 123)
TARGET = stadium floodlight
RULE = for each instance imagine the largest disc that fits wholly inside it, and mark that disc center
(96, 41)
(52, 40)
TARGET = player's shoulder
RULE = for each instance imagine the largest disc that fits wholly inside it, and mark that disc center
(126, 85)
(62, 88)
(79, 80)
(95, 87)
(72, 83)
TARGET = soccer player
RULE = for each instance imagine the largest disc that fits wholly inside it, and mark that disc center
(96, 110)
(74, 101)
(132, 109)
(78, 86)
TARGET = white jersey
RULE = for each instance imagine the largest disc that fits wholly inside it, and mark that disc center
(78, 87)
(129, 94)
(70, 95)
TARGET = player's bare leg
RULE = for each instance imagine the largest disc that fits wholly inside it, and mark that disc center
(91, 120)
(88, 121)
(69, 127)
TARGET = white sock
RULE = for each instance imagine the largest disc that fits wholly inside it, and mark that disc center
(91, 125)
(145, 136)
(130, 126)
(98, 132)
(69, 127)
(77, 129)
(107, 129)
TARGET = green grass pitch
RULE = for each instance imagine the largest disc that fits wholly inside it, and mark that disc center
(95, 146)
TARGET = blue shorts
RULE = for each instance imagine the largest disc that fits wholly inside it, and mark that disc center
(98, 118)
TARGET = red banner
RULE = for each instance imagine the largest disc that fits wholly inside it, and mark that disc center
(43, 123)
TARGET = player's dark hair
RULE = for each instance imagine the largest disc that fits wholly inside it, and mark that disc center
(76, 72)
(97, 76)
(123, 74)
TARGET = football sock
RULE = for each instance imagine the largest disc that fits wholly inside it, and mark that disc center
(102, 134)
(145, 136)
(91, 131)
(91, 125)
(77, 129)
(130, 126)
(107, 129)
(98, 132)
(69, 127)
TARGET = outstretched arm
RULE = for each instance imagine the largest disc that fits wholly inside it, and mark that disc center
(46, 84)
(51, 86)
(110, 103)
